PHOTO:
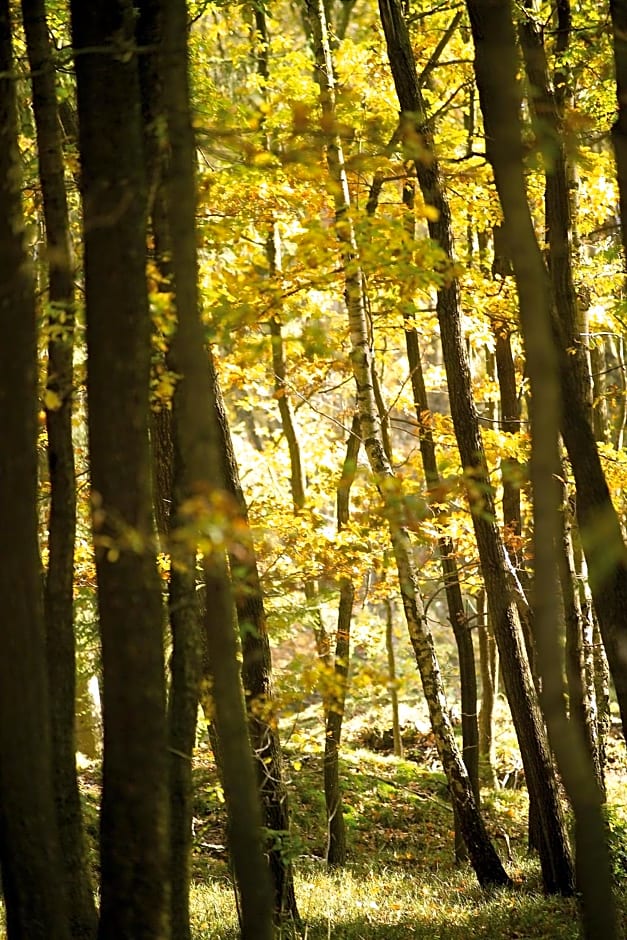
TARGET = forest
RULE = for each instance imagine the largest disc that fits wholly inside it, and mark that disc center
(313, 419)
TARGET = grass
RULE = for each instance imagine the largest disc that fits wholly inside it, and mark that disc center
(401, 881)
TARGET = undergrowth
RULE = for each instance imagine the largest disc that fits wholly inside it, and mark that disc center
(401, 880)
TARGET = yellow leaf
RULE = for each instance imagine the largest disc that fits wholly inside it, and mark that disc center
(431, 213)
(52, 401)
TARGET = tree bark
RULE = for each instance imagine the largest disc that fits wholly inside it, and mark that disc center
(134, 874)
(484, 859)
(32, 871)
(579, 669)
(495, 70)
(618, 12)
(59, 586)
(336, 828)
(397, 737)
(501, 585)
(450, 573)
(489, 668)
(205, 490)
(184, 613)
(257, 676)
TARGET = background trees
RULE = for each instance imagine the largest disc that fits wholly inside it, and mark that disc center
(272, 229)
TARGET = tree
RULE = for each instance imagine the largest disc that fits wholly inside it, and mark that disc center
(336, 703)
(133, 826)
(205, 484)
(501, 589)
(495, 67)
(59, 582)
(484, 859)
(32, 873)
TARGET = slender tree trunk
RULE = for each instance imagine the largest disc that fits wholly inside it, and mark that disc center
(297, 472)
(336, 845)
(597, 669)
(257, 677)
(185, 667)
(448, 562)
(32, 870)
(256, 658)
(547, 101)
(502, 587)
(580, 680)
(169, 494)
(495, 70)
(484, 859)
(618, 11)
(204, 479)
(450, 573)
(391, 654)
(489, 664)
(134, 895)
(600, 529)
(59, 586)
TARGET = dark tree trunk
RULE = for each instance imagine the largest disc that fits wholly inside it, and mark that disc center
(489, 666)
(257, 665)
(184, 614)
(500, 583)
(448, 562)
(547, 102)
(32, 870)
(450, 573)
(618, 10)
(600, 529)
(397, 737)
(336, 828)
(483, 857)
(198, 444)
(579, 669)
(510, 424)
(510, 475)
(257, 676)
(58, 594)
(134, 873)
(185, 668)
(495, 70)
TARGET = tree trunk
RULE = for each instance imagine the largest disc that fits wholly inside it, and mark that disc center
(391, 655)
(580, 680)
(32, 870)
(448, 562)
(185, 668)
(450, 573)
(547, 101)
(600, 529)
(59, 586)
(484, 859)
(134, 883)
(169, 494)
(257, 676)
(198, 444)
(336, 829)
(618, 11)
(501, 583)
(495, 70)
(297, 472)
(489, 666)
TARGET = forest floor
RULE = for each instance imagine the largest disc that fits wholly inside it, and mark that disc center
(401, 880)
